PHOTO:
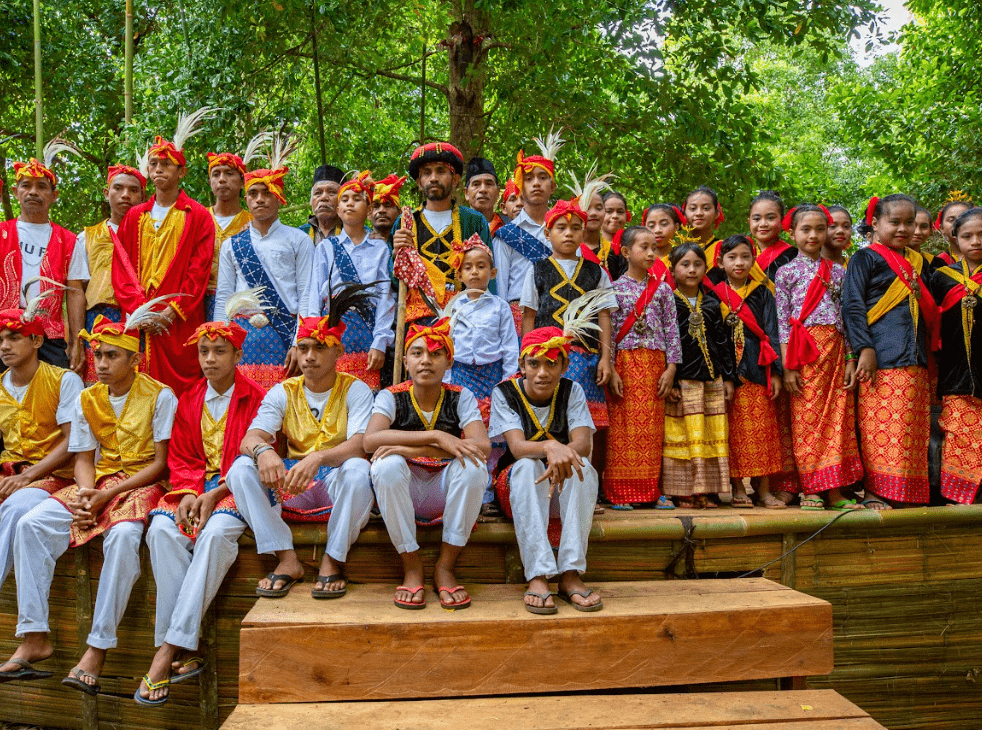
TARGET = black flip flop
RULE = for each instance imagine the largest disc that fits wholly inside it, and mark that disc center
(288, 580)
(540, 610)
(582, 594)
(324, 580)
(26, 673)
(74, 680)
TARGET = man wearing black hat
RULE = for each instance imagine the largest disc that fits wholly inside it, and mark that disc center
(324, 222)
(482, 190)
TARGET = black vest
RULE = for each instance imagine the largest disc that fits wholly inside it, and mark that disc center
(556, 292)
(516, 399)
(436, 248)
(407, 419)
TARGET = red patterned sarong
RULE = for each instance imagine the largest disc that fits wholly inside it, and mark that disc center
(516, 313)
(787, 480)
(823, 418)
(49, 484)
(755, 440)
(503, 489)
(356, 363)
(894, 428)
(637, 428)
(132, 506)
(961, 459)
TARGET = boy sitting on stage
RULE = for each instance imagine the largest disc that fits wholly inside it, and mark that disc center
(546, 423)
(322, 414)
(128, 417)
(430, 449)
(36, 405)
(194, 532)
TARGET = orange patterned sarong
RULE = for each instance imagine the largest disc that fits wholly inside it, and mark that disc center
(894, 429)
(637, 427)
(516, 313)
(961, 459)
(132, 506)
(823, 418)
(787, 480)
(755, 440)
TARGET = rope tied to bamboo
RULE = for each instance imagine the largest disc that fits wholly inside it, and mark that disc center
(687, 550)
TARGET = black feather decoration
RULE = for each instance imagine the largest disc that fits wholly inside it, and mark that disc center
(358, 297)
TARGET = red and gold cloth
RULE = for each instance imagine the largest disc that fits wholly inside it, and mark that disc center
(131, 506)
(437, 336)
(961, 458)
(787, 479)
(511, 190)
(316, 328)
(564, 209)
(213, 330)
(387, 189)
(34, 169)
(894, 429)
(49, 484)
(526, 163)
(105, 331)
(695, 453)
(229, 159)
(548, 342)
(13, 320)
(166, 150)
(823, 418)
(755, 439)
(115, 170)
(637, 430)
(459, 249)
(272, 179)
(363, 183)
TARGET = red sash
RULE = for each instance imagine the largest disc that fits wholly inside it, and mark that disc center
(651, 286)
(960, 291)
(589, 254)
(802, 349)
(735, 302)
(660, 271)
(946, 257)
(769, 255)
(904, 271)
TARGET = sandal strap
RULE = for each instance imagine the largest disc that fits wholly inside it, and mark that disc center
(192, 660)
(155, 685)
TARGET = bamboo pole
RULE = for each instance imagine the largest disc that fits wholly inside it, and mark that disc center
(38, 102)
(128, 68)
(317, 83)
(400, 334)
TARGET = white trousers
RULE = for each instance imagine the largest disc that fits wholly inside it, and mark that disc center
(347, 490)
(43, 537)
(531, 507)
(188, 574)
(405, 491)
(12, 509)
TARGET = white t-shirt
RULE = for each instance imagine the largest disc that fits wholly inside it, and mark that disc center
(467, 408)
(34, 239)
(82, 439)
(530, 295)
(223, 220)
(358, 401)
(439, 220)
(504, 419)
(158, 213)
(71, 386)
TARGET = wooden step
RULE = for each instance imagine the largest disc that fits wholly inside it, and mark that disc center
(804, 710)
(649, 634)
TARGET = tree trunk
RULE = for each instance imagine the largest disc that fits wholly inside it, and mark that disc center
(467, 76)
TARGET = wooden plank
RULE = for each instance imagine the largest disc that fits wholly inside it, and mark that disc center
(649, 634)
(811, 710)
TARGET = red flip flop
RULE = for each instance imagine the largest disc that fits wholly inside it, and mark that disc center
(409, 605)
(451, 591)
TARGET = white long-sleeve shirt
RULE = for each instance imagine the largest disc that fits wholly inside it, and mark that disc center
(512, 266)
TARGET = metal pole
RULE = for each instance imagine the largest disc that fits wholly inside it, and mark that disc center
(317, 84)
(38, 81)
(128, 72)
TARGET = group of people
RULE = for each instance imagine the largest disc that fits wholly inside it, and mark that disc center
(244, 373)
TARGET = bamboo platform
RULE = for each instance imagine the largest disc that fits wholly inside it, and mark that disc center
(905, 587)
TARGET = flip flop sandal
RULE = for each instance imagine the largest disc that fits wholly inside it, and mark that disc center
(873, 500)
(742, 502)
(703, 501)
(26, 673)
(847, 505)
(151, 686)
(772, 502)
(177, 678)
(622, 507)
(75, 681)
(664, 503)
(324, 580)
(540, 610)
(288, 579)
(568, 597)
(409, 605)
(813, 504)
(452, 606)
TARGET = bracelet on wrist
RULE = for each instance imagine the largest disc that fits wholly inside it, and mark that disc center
(261, 449)
(851, 356)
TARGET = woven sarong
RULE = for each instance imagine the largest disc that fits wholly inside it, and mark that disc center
(132, 506)
(961, 460)
(694, 456)
(755, 440)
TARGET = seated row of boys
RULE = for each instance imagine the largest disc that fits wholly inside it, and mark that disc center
(202, 468)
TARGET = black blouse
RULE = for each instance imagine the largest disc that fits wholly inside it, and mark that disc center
(719, 343)
(957, 373)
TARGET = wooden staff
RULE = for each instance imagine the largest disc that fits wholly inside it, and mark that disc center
(407, 225)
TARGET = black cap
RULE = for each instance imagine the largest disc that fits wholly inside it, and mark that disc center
(479, 166)
(328, 173)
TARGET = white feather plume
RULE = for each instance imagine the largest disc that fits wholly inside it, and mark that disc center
(253, 148)
(33, 307)
(55, 147)
(592, 184)
(143, 314)
(246, 303)
(283, 147)
(550, 146)
(579, 314)
(189, 125)
(143, 163)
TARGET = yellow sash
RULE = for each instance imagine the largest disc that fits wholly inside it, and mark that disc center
(304, 434)
(159, 246)
(968, 313)
(897, 292)
(213, 439)
(30, 429)
(99, 247)
(236, 225)
(125, 443)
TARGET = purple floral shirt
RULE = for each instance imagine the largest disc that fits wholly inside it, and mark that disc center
(659, 324)
(791, 284)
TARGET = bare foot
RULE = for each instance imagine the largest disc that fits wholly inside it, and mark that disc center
(34, 648)
(539, 585)
(289, 565)
(569, 582)
(330, 566)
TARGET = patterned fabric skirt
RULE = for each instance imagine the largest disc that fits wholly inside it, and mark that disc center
(49, 484)
(637, 430)
(823, 419)
(894, 430)
(263, 354)
(583, 370)
(787, 479)
(312, 505)
(113, 314)
(357, 341)
(516, 313)
(132, 506)
(169, 503)
(210, 306)
(755, 439)
(961, 460)
(694, 456)
(479, 380)
(502, 487)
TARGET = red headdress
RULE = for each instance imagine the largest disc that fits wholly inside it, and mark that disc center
(272, 177)
(435, 152)
(436, 336)
(564, 209)
(548, 342)
(720, 217)
(459, 249)
(37, 169)
(105, 331)
(115, 170)
(319, 328)
(231, 331)
(871, 209)
(511, 189)
(789, 217)
(14, 320)
(549, 147)
(228, 159)
(361, 184)
(387, 189)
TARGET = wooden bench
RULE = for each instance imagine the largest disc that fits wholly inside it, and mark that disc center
(794, 710)
(650, 634)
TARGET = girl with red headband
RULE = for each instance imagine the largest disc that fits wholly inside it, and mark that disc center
(664, 220)
(956, 204)
(820, 367)
(839, 236)
(705, 214)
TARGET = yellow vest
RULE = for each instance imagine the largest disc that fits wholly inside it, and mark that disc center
(125, 443)
(304, 434)
(99, 247)
(213, 439)
(30, 429)
(158, 246)
(242, 219)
